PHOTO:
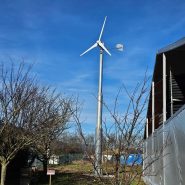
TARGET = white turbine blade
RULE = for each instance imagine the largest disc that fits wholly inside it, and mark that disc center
(104, 48)
(102, 29)
(93, 46)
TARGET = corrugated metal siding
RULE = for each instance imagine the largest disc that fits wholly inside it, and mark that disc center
(169, 168)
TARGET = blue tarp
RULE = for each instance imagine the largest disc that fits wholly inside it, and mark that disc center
(132, 159)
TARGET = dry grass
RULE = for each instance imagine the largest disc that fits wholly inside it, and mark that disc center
(76, 173)
(76, 167)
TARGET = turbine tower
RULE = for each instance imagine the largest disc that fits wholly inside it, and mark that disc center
(98, 137)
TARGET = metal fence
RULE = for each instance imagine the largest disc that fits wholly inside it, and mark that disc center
(68, 158)
(164, 153)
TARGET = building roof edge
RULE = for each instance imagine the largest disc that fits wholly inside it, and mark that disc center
(172, 46)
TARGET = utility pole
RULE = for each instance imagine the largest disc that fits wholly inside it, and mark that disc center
(98, 139)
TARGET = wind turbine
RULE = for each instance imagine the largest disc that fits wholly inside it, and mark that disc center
(98, 137)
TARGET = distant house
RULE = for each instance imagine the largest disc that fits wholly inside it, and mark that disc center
(107, 156)
(54, 159)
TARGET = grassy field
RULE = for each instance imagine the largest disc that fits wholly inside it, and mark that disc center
(77, 173)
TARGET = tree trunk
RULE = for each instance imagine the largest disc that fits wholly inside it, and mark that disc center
(45, 166)
(117, 165)
(3, 173)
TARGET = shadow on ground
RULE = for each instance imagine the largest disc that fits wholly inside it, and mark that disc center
(68, 179)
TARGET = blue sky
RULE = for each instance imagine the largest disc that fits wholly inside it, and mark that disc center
(53, 33)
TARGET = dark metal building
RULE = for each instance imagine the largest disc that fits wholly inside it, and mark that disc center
(164, 145)
(165, 101)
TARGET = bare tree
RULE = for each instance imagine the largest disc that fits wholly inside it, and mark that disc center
(123, 135)
(88, 147)
(30, 115)
(18, 113)
(71, 143)
(57, 114)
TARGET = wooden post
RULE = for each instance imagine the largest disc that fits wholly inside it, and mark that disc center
(171, 92)
(49, 179)
(164, 118)
(147, 128)
(50, 173)
(164, 88)
(153, 107)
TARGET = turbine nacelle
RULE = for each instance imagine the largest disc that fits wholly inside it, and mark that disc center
(98, 42)
(101, 45)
